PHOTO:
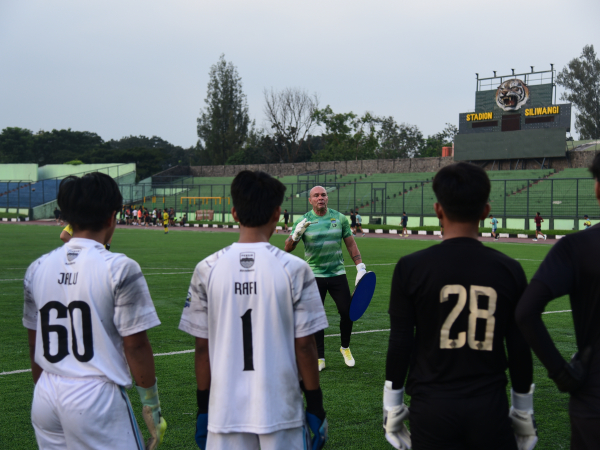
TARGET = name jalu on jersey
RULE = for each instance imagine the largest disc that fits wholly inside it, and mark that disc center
(68, 278)
(248, 288)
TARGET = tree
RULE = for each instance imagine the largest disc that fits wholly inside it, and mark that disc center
(16, 146)
(59, 146)
(398, 140)
(223, 123)
(581, 79)
(290, 114)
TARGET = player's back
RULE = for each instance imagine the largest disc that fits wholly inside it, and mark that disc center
(87, 298)
(257, 300)
(463, 296)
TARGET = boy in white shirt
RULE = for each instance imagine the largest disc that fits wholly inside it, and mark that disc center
(87, 311)
(254, 309)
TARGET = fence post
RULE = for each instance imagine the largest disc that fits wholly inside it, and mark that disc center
(505, 226)
(337, 188)
(292, 207)
(354, 199)
(422, 199)
(577, 205)
(403, 197)
(527, 218)
(384, 203)
(223, 203)
(552, 204)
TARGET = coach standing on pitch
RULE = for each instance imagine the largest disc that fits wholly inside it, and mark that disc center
(322, 231)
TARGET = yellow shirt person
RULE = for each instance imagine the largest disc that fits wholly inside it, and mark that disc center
(166, 221)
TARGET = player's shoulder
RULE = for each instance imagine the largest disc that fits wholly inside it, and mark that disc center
(205, 266)
(287, 260)
(337, 214)
(33, 267)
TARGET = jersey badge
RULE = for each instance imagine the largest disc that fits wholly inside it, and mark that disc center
(333, 222)
(72, 254)
(247, 260)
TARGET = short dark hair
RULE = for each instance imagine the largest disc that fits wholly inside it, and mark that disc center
(255, 196)
(89, 201)
(491, 215)
(538, 213)
(463, 190)
(595, 167)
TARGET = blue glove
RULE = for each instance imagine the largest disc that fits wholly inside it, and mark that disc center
(201, 430)
(319, 430)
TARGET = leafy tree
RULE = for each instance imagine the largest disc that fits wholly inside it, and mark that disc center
(59, 146)
(16, 146)
(398, 140)
(581, 79)
(346, 136)
(223, 123)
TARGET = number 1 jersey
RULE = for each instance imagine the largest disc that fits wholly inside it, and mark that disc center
(251, 301)
(82, 299)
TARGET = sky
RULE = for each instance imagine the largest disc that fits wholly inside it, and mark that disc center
(129, 67)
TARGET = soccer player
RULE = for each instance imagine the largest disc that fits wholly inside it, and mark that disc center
(254, 310)
(286, 219)
(449, 329)
(359, 224)
(322, 230)
(404, 223)
(66, 233)
(538, 226)
(166, 221)
(570, 268)
(586, 222)
(353, 222)
(494, 223)
(87, 311)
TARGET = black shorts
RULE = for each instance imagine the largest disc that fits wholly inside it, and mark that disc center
(538, 229)
(476, 423)
(585, 433)
(353, 224)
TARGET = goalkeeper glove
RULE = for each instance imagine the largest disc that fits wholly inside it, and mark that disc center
(573, 374)
(362, 269)
(202, 398)
(521, 415)
(300, 229)
(315, 417)
(395, 412)
(152, 417)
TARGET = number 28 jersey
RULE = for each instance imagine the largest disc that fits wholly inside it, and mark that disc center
(461, 297)
(82, 299)
(251, 301)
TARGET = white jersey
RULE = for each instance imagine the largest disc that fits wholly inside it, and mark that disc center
(82, 300)
(251, 301)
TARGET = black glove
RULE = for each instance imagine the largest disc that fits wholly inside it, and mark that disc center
(573, 374)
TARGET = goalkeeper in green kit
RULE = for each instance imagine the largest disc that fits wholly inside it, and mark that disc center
(322, 230)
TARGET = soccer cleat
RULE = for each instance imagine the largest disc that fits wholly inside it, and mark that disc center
(347, 354)
(363, 234)
(534, 240)
(545, 236)
(321, 364)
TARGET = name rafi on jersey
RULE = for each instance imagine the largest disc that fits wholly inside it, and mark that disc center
(247, 288)
(68, 278)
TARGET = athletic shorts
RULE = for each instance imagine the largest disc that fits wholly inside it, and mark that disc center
(494, 230)
(291, 439)
(538, 229)
(82, 414)
(475, 423)
(585, 433)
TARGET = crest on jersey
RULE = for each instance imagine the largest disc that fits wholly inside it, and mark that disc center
(72, 254)
(247, 260)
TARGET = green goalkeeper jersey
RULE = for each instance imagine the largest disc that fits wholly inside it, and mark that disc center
(323, 242)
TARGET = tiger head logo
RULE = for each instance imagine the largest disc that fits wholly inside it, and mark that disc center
(512, 94)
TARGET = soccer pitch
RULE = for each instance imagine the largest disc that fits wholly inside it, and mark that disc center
(352, 396)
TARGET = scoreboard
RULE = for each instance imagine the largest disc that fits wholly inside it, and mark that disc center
(514, 118)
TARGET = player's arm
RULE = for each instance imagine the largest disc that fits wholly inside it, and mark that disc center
(290, 244)
(203, 376)
(36, 370)
(299, 229)
(400, 348)
(138, 353)
(356, 258)
(65, 236)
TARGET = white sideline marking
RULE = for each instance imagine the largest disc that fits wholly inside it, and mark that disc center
(181, 352)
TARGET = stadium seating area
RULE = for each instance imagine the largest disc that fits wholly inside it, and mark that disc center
(27, 195)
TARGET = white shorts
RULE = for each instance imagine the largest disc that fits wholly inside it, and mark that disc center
(83, 413)
(290, 439)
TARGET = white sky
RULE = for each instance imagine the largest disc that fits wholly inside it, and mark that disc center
(126, 67)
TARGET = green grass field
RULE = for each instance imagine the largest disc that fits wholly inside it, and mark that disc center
(353, 396)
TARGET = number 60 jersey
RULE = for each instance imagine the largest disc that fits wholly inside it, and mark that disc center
(82, 299)
(251, 301)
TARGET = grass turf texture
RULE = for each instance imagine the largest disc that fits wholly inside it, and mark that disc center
(353, 396)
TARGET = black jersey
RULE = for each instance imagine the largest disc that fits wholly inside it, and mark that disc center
(571, 268)
(460, 297)
(353, 220)
(286, 217)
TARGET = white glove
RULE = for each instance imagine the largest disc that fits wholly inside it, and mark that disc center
(300, 229)
(521, 415)
(362, 269)
(152, 416)
(395, 412)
